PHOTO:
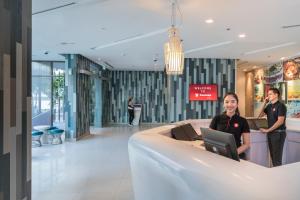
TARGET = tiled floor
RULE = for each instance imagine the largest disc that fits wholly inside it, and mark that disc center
(94, 168)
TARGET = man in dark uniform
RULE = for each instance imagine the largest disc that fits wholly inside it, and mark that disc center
(276, 132)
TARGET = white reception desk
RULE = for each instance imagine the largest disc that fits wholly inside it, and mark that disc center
(167, 169)
(137, 114)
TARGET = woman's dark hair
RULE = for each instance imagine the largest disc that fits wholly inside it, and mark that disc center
(130, 98)
(275, 91)
(236, 98)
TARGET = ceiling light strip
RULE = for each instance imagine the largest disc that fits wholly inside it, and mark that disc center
(129, 39)
(291, 56)
(51, 9)
(208, 47)
(270, 48)
(291, 26)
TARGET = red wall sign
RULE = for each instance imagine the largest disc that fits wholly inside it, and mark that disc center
(203, 92)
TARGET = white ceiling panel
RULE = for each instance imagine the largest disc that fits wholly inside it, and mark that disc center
(129, 34)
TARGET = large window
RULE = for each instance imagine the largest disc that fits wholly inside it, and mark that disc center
(41, 92)
(58, 93)
(47, 93)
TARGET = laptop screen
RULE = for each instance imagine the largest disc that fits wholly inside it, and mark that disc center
(252, 124)
(257, 123)
(261, 123)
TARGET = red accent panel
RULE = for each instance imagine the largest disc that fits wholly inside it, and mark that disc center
(203, 92)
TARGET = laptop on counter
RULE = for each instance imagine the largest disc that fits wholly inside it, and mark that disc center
(185, 132)
(257, 123)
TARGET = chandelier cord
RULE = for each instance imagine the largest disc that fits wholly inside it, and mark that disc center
(175, 7)
(173, 16)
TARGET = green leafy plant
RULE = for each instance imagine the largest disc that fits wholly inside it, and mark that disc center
(58, 90)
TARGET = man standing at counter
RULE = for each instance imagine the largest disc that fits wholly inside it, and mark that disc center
(276, 132)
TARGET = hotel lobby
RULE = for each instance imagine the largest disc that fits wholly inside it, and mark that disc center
(116, 99)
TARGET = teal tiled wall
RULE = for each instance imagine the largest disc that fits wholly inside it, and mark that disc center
(15, 99)
(77, 94)
(165, 98)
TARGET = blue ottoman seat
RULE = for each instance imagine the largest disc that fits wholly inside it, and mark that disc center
(37, 133)
(50, 136)
(52, 128)
(56, 133)
(36, 137)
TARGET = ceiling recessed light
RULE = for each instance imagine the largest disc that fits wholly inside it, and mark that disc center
(242, 35)
(209, 21)
(282, 58)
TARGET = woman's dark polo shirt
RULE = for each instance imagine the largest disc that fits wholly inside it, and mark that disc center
(236, 125)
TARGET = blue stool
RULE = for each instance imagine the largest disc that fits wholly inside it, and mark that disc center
(56, 133)
(36, 137)
(49, 135)
(52, 128)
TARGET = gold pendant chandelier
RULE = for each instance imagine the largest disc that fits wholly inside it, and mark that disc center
(174, 56)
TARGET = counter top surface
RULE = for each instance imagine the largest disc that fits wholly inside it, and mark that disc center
(199, 174)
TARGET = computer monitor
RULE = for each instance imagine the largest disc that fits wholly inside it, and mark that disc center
(220, 143)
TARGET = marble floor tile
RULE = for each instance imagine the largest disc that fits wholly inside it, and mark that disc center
(93, 168)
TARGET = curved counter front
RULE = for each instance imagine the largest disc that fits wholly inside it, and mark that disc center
(167, 169)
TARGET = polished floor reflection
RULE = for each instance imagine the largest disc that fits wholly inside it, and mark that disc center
(94, 168)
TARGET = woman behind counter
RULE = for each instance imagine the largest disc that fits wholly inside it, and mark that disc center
(231, 122)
